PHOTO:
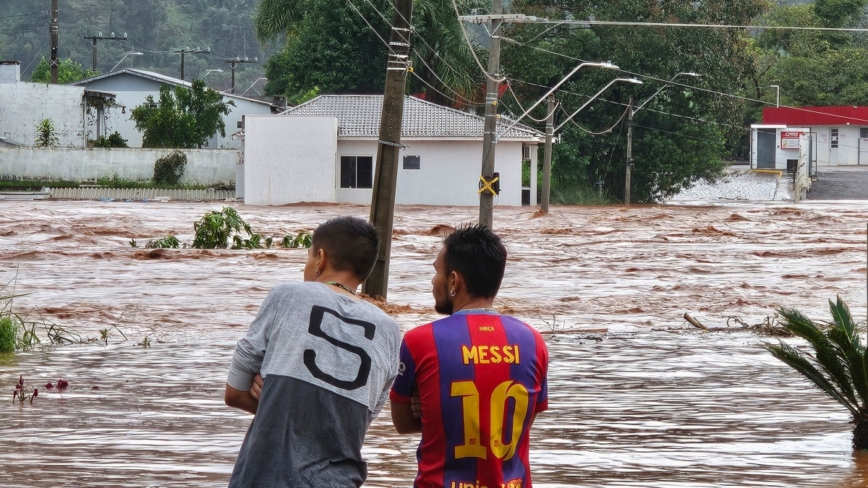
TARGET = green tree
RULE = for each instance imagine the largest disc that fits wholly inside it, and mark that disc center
(837, 365)
(682, 135)
(183, 117)
(68, 71)
(351, 59)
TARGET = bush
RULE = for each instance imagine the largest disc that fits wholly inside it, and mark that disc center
(46, 134)
(578, 194)
(168, 170)
(8, 333)
(114, 140)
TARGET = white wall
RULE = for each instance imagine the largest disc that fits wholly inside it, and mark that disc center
(24, 105)
(204, 167)
(448, 175)
(289, 159)
(848, 151)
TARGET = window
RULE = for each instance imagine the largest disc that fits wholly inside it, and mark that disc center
(412, 162)
(863, 132)
(357, 172)
(834, 138)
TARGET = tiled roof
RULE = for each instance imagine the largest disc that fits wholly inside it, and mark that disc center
(359, 116)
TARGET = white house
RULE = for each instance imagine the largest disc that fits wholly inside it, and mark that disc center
(325, 150)
(71, 109)
(838, 135)
(132, 87)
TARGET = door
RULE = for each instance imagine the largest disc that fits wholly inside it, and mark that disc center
(863, 145)
(765, 148)
(833, 147)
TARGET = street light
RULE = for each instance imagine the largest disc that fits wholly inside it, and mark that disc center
(123, 58)
(630, 114)
(251, 86)
(777, 96)
(212, 71)
(607, 65)
(550, 130)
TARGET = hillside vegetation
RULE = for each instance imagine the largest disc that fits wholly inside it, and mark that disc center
(153, 27)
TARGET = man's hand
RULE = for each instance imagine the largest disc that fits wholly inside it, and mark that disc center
(240, 399)
(416, 405)
(256, 389)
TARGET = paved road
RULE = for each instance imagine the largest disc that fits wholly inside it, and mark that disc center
(841, 183)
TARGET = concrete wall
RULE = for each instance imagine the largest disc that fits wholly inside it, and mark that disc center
(781, 155)
(289, 159)
(204, 167)
(24, 105)
(448, 175)
(132, 91)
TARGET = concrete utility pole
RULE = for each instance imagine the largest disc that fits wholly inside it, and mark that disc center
(547, 157)
(100, 37)
(54, 29)
(232, 63)
(389, 146)
(184, 52)
(489, 138)
(629, 152)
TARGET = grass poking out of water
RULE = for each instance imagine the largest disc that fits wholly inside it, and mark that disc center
(8, 331)
(576, 194)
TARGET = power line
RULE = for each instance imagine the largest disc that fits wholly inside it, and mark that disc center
(610, 129)
(692, 87)
(525, 19)
(470, 46)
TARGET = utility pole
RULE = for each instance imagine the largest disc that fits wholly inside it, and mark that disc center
(547, 157)
(100, 37)
(629, 152)
(54, 29)
(184, 52)
(489, 141)
(389, 145)
(232, 63)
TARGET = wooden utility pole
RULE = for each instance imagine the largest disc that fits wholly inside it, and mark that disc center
(54, 29)
(629, 153)
(489, 139)
(100, 37)
(389, 146)
(232, 62)
(184, 52)
(547, 156)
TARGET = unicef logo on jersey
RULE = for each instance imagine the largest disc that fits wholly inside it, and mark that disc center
(363, 329)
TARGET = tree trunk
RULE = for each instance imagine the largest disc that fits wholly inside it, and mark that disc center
(860, 432)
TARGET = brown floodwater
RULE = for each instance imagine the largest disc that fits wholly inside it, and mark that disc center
(651, 403)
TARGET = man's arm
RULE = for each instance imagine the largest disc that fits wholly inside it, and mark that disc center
(240, 399)
(404, 420)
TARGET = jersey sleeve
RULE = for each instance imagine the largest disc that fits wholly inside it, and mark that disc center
(405, 382)
(542, 399)
(250, 350)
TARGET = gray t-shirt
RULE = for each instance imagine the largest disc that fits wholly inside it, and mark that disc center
(328, 361)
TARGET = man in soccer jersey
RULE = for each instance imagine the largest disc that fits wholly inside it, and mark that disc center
(480, 377)
(327, 359)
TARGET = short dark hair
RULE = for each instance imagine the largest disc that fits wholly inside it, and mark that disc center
(350, 243)
(479, 256)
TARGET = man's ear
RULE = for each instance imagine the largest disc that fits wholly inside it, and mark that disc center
(321, 260)
(455, 281)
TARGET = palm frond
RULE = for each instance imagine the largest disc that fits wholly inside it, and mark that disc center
(857, 363)
(827, 353)
(272, 18)
(795, 360)
(841, 318)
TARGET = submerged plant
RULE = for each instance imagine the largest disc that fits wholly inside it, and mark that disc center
(8, 333)
(19, 392)
(303, 239)
(839, 365)
(216, 229)
(168, 242)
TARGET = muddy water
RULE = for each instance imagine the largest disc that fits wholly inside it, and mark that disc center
(651, 404)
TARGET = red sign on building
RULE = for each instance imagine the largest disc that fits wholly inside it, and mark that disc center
(790, 139)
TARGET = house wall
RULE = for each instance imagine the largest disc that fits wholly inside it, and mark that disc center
(289, 159)
(781, 155)
(851, 149)
(448, 175)
(204, 167)
(132, 91)
(24, 105)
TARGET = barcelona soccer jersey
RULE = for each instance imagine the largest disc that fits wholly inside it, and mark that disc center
(481, 379)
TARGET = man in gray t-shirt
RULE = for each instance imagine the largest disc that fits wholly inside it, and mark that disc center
(327, 359)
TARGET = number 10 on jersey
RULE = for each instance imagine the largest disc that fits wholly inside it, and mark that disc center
(505, 391)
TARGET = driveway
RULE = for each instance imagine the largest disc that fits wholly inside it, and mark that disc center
(840, 183)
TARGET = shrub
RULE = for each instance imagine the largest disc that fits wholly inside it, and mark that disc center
(169, 169)
(46, 134)
(114, 140)
(215, 229)
(8, 333)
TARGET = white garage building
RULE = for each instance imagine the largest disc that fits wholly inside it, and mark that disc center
(325, 151)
